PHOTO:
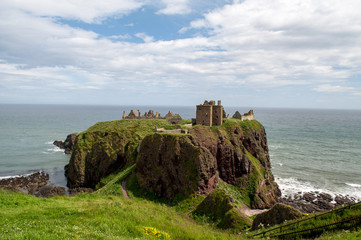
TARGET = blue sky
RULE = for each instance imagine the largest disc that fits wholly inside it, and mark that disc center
(254, 53)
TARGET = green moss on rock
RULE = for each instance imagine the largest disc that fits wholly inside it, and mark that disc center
(218, 207)
(107, 146)
(276, 215)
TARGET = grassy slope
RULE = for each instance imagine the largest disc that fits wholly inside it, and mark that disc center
(105, 214)
(93, 216)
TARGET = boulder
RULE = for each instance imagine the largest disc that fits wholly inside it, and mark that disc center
(276, 215)
(68, 144)
(218, 207)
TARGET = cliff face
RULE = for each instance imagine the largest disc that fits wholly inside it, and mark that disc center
(170, 164)
(106, 147)
(238, 152)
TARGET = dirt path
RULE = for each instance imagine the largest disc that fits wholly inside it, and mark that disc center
(188, 217)
(250, 212)
(124, 190)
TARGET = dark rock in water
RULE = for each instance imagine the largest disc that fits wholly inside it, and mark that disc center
(34, 184)
(342, 200)
(27, 184)
(59, 144)
(276, 215)
(310, 202)
(218, 207)
(68, 144)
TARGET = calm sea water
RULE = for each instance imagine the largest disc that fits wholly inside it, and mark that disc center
(310, 149)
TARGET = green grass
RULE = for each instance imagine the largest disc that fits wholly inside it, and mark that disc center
(94, 216)
(330, 233)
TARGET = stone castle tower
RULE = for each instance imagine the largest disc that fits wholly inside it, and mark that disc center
(209, 114)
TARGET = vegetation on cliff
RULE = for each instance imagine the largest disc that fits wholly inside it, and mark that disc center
(107, 147)
(172, 164)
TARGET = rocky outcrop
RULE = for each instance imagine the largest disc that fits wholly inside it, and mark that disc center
(170, 164)
(219, 207)
(35, 184)
(106, 147)
(310, 202)
(96, 155)
(241, 152)
(68, 144)
(276, 215)
(178, 164)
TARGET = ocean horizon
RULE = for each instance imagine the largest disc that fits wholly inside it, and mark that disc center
(310, 149)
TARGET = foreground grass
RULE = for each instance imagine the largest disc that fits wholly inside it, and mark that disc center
(94, 216)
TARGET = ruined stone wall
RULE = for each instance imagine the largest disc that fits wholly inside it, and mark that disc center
(204, 115)
(248, 116)
(217, 115)
(136, 114)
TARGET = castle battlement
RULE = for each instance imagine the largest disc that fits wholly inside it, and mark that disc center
(209, 114)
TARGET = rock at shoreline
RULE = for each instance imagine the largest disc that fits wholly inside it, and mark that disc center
(68, 144)
(310, 202)
(34, 184)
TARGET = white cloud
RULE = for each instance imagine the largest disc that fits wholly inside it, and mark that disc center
(301, 40)
(145, 37)
(175, 7)
(89, 11)
(250, 44)
(328, 88)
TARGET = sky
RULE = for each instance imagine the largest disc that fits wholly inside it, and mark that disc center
(254, 53)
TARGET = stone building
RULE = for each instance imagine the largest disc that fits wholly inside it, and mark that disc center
(209, 114)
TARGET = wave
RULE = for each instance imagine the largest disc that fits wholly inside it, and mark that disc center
(15, 176)
(292, 186)
(49, 143)
(55, 149)
(354, 185)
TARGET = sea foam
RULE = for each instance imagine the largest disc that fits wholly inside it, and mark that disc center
(292, 186)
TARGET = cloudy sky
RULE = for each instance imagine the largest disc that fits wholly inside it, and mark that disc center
(254, 53)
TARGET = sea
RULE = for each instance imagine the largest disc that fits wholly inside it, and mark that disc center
(310, 149)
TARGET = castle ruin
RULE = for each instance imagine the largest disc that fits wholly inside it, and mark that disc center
(246, 116)
(209, 114)
(136, 114)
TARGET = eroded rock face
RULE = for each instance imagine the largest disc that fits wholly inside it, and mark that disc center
(231, 151)
(242, 159)
(170, 164)
(68, 144)
(96, 155)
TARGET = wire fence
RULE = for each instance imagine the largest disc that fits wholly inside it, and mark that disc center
(284, 231)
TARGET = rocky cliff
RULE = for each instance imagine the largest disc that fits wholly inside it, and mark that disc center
(235, 153)
(106, 147)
